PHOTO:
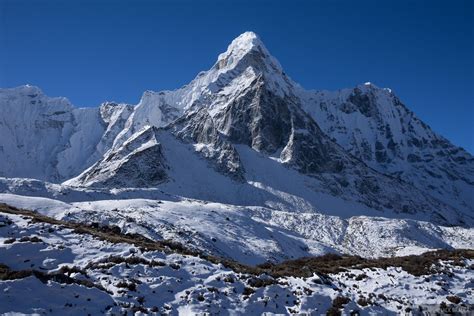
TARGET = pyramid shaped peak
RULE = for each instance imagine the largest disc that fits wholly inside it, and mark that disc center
(247, 39)
(242, 45)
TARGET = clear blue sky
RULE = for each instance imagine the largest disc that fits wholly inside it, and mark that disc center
(92, 51)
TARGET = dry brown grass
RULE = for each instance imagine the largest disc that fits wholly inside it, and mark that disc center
(7, 274)
(424, 264)
(337, 304)
(454, 299)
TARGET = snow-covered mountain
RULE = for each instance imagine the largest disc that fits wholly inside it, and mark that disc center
(323, 167)
(375, 126)
(49, 139)
(139, 162)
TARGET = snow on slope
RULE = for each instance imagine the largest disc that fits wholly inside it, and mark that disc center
(240, 163)
(94, 276)
(35, 132)
(375, 126)
(266, 115)
(48, 139)
(235, 69)
(139, 162)
(238, 135)
(254, 234)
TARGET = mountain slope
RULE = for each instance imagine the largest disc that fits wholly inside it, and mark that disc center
(374, 125)
(243, 134)
(47, 138)
(139, 162)
(54, 267)
(36, 131)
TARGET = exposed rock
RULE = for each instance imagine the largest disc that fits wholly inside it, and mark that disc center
(196, 126)
(139, 162)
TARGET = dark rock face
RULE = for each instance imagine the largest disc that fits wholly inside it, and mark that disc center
(371, 148)
(257, 119)
(169, 113)
(376, 127)
(311, 155)
(380, 153)
(277, 125)
(269, 123)
(147, 167)
(197, 127)
(139, 162)
(363, 102)
(309, 149)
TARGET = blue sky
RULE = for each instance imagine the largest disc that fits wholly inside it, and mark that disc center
(92, 51)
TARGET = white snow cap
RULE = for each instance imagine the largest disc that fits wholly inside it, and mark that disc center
(243, 45)
(247, 39)
(372, 87)
(368, 86)
(261, 63)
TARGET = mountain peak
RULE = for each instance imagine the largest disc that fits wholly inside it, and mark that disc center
(247, 40)
(247, 55)
(23, 90)
(371, 87)
(245, 44)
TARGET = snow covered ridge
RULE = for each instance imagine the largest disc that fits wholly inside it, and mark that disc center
(301, 172)
(250, 235)
(374, 125)
(58, 268)
(139, 163)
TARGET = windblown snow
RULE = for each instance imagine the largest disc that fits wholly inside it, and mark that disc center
(241, 163)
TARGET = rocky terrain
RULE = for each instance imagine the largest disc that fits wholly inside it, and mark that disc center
(55, 267)
(241, 166)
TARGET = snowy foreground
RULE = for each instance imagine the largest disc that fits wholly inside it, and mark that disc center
(247, 234)
(78, 273)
